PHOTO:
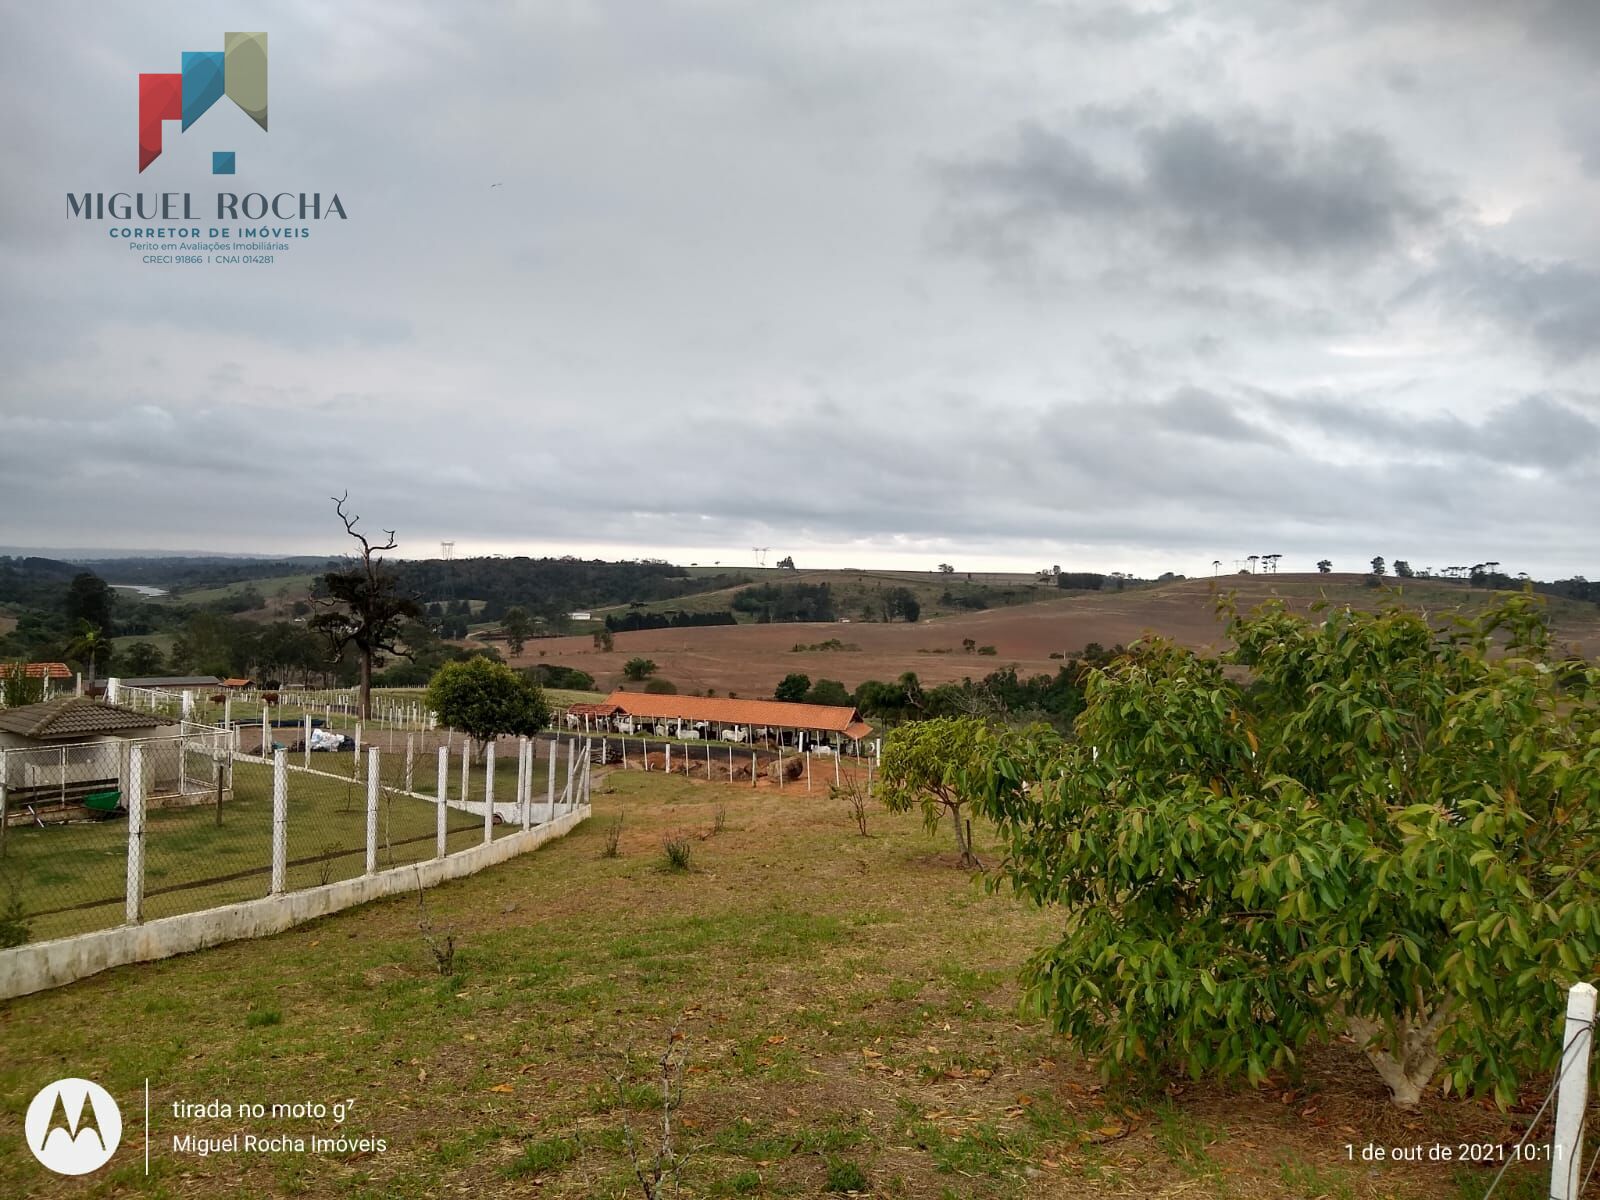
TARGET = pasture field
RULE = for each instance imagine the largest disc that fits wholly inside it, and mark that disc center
(750, 659)
(294, 587)
(853, 589)
(849, 1016)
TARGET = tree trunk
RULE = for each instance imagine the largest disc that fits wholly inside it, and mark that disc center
(964, 841)
(364, 704)
(1409, 1067)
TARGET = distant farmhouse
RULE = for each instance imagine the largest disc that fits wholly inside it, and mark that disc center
(721, 719)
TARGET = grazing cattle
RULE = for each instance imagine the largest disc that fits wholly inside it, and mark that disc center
(822, 748)
(572, 721)
(736, 734)
(624, 724)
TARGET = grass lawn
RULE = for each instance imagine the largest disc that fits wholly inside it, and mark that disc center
(72, 878)
(849, 1019)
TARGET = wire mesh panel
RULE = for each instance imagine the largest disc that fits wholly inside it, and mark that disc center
(214, 847)
(64, 835)
(203, 818)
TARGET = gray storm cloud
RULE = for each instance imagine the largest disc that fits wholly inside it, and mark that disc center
(1117, 285)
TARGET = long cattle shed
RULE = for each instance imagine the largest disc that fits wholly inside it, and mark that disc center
(717, 716)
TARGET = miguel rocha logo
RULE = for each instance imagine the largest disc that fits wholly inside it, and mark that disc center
(237, 71)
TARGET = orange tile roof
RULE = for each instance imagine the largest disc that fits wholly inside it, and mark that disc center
(593, 710)
(726, 711)
(46, 670)
(237, 683)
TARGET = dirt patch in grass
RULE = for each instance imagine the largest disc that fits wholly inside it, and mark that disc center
(848, 1005)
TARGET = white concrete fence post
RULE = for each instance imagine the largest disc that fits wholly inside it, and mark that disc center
(357, 754)
(305, 741)
(525, 782)
(572, 771)
(1572, 1094)
(136, 835)
(280, 821)
(550, 786)
(488, 792)
(669, 758)
(443, 784)
(466, 770)
(411, 755)
(522, 779)
(372, 811)
(266, 731)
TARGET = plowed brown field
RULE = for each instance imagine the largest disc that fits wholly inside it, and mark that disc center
(749, 660)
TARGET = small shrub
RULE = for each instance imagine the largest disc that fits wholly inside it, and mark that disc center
(544, 1155)
(990, 650)
(661, 687)
(745, 1183)
(719, 818)
(845, 1176)
(855, 795)
(1057, 654)
(444, 953)
(613, 838)
(260, 1018)
(679, 851)
(14, 929)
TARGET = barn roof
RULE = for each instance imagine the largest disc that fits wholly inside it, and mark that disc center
(593, 710)
(44, 670)
(173, 681)
(74, 716)
(727, 711)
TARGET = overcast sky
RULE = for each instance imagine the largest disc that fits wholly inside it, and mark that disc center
(1119, 286)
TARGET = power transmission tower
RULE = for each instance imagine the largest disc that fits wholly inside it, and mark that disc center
(448, 551)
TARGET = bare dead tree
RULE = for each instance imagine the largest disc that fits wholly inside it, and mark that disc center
(659, 1173)
(364, 606)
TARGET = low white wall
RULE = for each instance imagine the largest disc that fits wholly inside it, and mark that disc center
(37, 966)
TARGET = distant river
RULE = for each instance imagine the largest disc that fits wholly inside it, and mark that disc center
(141, 589)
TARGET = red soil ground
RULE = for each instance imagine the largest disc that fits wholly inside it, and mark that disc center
(749, 660)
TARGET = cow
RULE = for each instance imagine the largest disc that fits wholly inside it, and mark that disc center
(736, 734)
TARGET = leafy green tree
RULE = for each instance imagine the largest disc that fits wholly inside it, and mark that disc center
(639, 668)
(141, 658)
(604, 641)
(1324, 565)
(517, 626)
(793, 688)
(1377, 565)
(486, 699)
(941, 766)
(1403, 569)
(17, 687)
(828, 691)
(1390, 831)
(88, 601)
(91, 649)
(363, 606)
(900, 602)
